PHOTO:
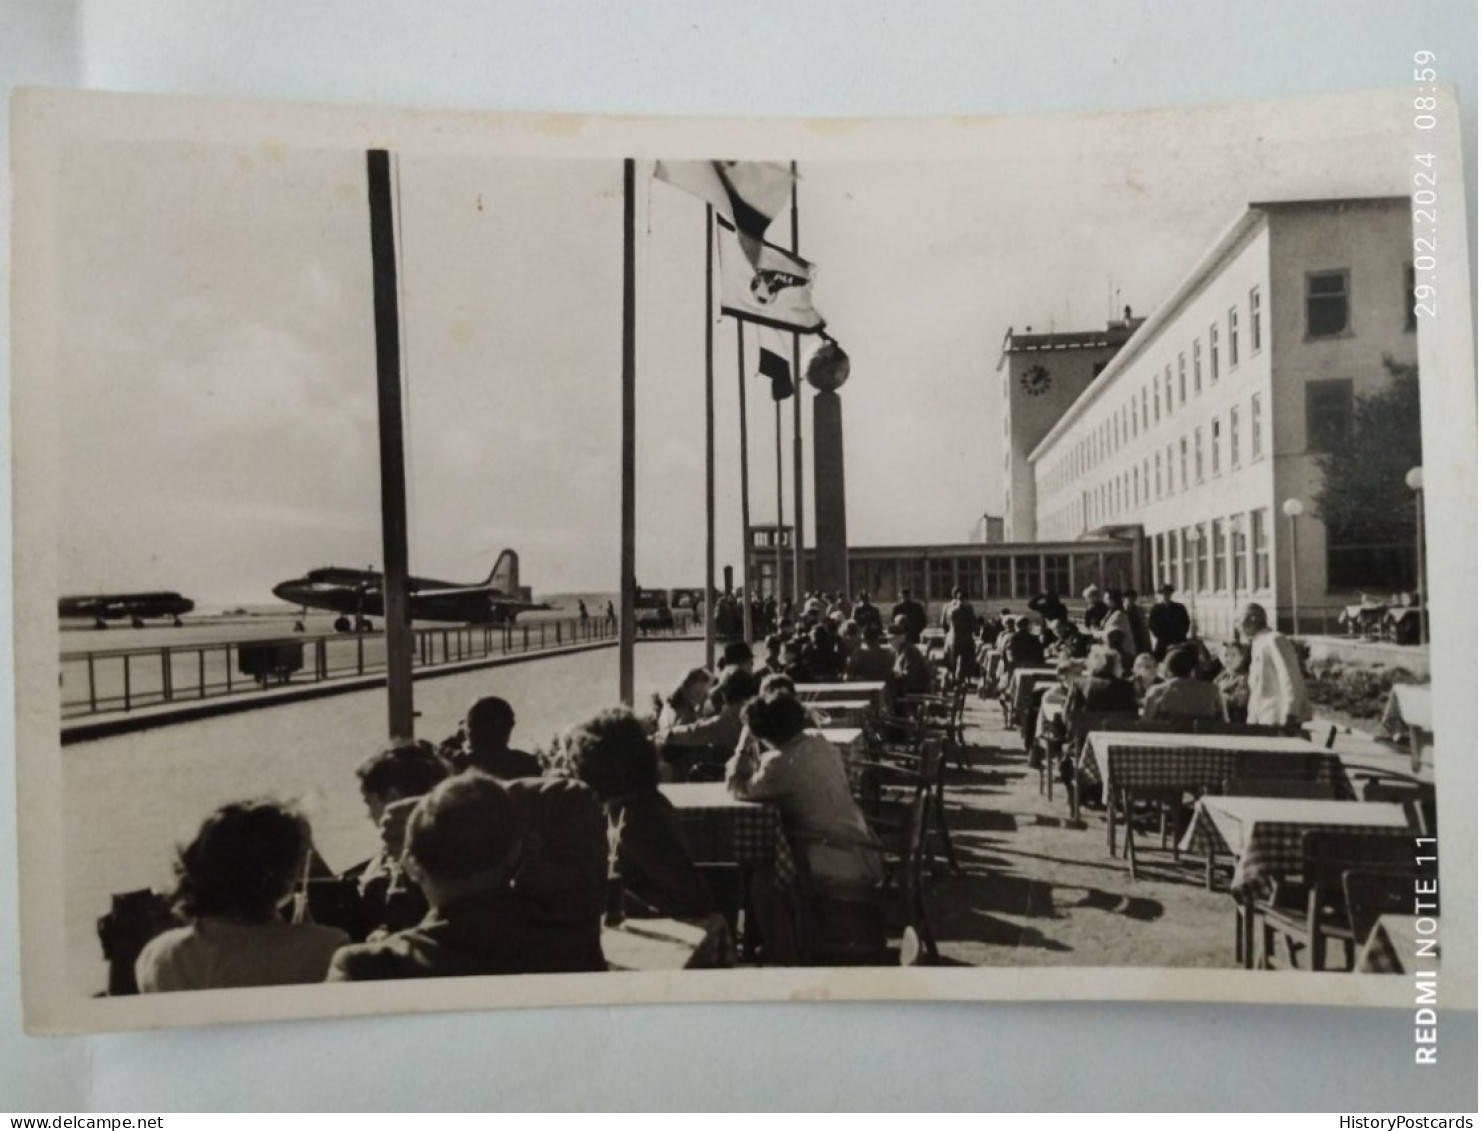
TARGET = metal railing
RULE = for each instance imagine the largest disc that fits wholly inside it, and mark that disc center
(113, 680)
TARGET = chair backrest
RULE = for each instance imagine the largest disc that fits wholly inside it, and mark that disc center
(1220, 726)
(1082, 723)
(1274, 765)
(1277, 787)
(1370, 894)
(1328, 853)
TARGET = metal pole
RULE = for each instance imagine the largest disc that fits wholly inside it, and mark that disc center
(746, 629)
(777, 581)
(1296, 613)
(393, 458)
(797, 431)
(627, 568)
(709, 437)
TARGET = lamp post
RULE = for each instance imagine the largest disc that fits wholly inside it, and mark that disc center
(1415, 480)
(1293, 509)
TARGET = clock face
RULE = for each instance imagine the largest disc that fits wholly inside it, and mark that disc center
(1036, 381)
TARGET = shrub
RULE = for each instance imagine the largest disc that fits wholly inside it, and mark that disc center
(1360, 692)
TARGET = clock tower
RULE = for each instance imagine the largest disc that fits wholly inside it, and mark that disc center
(1042, 375)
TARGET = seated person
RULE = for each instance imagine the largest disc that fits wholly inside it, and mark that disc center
(793, 663)
(1234, 681)
(872, 661)
(688, 742)
(804, 776)
(1069, 644)
(687, 702)
(464, 843)
(1103, 691)
(821, 655)
(1024, 649)
(910, 673)
(487, 729)
(613, 757)
(1183, 695)
(388, 900)
(233, 878)
(1206, 666)
(773, 662)
(1145, 675)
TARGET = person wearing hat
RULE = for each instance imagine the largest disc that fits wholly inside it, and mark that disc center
(1049, 606)
(737, 654)
(872, 660)
(1168, 621)
(865, 613)
(487, 729)
(910, 674)
(792, 661)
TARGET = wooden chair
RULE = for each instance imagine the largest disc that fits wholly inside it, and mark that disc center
(1370, 894)
(1318, 912)
(1418, 798)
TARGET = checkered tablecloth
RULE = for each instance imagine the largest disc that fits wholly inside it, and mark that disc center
(1026, 681)
(718, 829)
(1139, 762)
(1264, 834)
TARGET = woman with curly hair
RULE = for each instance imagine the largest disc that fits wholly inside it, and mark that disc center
(233, 877)
(687, 702)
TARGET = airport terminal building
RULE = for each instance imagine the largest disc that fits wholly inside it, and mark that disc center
(1212, 415)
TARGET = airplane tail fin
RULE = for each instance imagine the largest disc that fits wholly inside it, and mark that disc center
(505, 576)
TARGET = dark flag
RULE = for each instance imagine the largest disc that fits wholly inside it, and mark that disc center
(776, 368)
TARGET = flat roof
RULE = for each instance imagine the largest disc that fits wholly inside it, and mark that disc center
(1231, 240)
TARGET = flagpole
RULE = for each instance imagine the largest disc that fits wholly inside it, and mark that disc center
(399, 709)
(626, 629)
(745, 488)
(709, 437)
(797, 431)
(777, 586)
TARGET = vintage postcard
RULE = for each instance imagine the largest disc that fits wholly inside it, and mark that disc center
(472, 560)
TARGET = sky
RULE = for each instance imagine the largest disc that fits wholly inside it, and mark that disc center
(217, 372)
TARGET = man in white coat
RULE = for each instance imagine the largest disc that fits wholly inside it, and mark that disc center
(1278, 693)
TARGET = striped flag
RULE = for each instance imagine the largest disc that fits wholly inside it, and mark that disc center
(750, 194)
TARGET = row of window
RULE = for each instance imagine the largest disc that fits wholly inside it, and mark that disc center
(1229, 555)
(1168, 471)
(998, 576)
(1148, 405)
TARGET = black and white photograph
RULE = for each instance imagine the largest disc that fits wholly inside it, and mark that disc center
(495, 560)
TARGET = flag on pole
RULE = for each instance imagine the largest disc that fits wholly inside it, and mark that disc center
(776, 289)
(775, 367)
(750, 194)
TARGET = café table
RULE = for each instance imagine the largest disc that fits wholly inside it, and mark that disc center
(1395, 946)
(1264, 834)
(843, 712)
(871, 689)
(651, 944)
(1154, 760)
(1021, 689)
(719, 829)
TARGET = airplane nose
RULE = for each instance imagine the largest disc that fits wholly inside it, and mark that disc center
(286, 591)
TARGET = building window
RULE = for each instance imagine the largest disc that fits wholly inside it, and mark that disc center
(1145, 396)
(1410, 299)
(1026, 575)
(1255, 426)
(1198, 367)
(1183, 463)
(1168, 385)
(970, 578)
(1238, 552)
(1220, 552)
(1198, 455)
(1137, 487)
(1183, 380)
(998, 575)
(1261, 547)
(1255, 320)
(1327, 303)
(1214, 354)
(1157, 401)
(1132, 415)
(1191, 551)
(1214, 446)
(939, 579)
(1329, 415)
(1158, 474)
(1147, 480)
(1235, 436)
(1234, 337)
(1202, 545)
(1057, 572)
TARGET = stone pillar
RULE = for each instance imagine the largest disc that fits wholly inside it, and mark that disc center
(831, 543)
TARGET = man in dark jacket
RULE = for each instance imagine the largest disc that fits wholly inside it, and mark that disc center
(914, 614)
(1096, 609)
(1168, 621)
(487, 730)
(1049, 606)
(911, 674)
(467, 849)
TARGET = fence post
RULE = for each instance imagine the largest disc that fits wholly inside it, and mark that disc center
(201, 671)
(92, 685)
(128, 703)
(359, 653)
(227, 650)
(166, 681)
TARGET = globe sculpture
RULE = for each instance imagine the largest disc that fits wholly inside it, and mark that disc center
(828, 368)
